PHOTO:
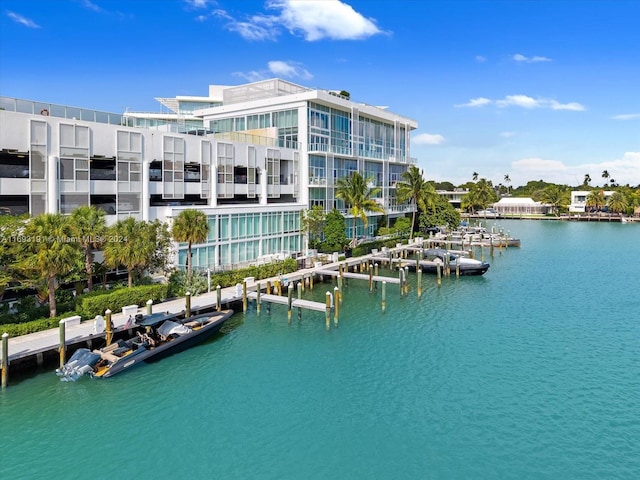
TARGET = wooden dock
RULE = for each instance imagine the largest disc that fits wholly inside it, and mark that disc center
(359, 276)
(295, 302)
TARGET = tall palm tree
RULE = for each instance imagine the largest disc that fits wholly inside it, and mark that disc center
(412, 188)
(475, 176)
(354, 191)
(50, 251)
(88, 225)
(190, 226)
(618, 202)
(480, 195)
(605, 175)
(507, 180)
(587, 180)
(129, 243)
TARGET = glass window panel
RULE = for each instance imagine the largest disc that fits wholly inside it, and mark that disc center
(66, 135)
(66, 169)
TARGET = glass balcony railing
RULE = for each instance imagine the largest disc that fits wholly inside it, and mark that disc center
(61, 111)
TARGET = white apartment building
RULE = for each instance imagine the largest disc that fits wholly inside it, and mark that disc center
(251, 157)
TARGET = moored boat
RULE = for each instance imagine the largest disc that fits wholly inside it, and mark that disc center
(435, 257)
(157, 336)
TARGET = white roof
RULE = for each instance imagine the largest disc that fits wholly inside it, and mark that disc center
(517, 201)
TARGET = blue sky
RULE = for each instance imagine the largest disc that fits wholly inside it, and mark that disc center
(536, 90)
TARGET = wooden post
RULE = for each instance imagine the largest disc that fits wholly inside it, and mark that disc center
(108, 330)
(244, 296)
(384, 296)
(439, 274)
(406, 281)
(375, 272)
(340, 283)
(149, 306)
(327, 308)
(300, 287)
(63, 343)
(419, 282)
(458, 266)
(279, 287)
(336, 294)
(258, 293)
(187, 304)
(219, 298)
(5, 359)
(370, 279)
(311, 281)
(289, 300)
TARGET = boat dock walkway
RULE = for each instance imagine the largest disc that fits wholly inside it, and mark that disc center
(32, 347)
(359, 276)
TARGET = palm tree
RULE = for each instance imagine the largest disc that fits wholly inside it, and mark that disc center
(555, 196)
(412, 188)
(596, 199)
(475, 176)
(88, 225)
(587, 180)
(354, 191)
(190, 226)
(618, 202)
(605, 175)
(50, 251)
(507, 180)
(480, 195)
(129, 244)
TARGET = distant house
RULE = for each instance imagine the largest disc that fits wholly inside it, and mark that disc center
(454, 197)
(579, 200)
(521, 206)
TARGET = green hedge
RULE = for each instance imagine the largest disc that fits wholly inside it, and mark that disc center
(365, 248)
(228, 279)
(95, 303)
(17, 329)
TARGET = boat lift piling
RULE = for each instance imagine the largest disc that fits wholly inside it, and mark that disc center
(219, 298)
(149, 306)
(5, 359)
(336, 295)
(419, 273)
(187, 304)
(300, 288)
(108, 331)
(384, 296)
(258, 293)
(289, 301)
(327, 302)
(63, 343)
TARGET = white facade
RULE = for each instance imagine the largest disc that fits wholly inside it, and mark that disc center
(252, 157)
(579, 200)
(521, 206)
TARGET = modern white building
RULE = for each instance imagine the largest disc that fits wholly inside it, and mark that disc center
(252, 157)
(579, 200)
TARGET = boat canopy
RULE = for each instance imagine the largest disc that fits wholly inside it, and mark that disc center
(169, 328)
(155, 319)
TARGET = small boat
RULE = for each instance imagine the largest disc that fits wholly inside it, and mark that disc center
(435, 257)
(157, 336)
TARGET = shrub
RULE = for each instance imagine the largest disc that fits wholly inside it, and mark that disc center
(17, 329)
(95, 303)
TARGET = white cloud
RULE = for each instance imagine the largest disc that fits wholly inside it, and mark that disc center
(319, 19)
(91, 6)
(428, 139)
(627, 116)
(519, 101)
(522, 59)
(289, 70)
(27, 22)
(278, 68)
(475, 102)
(625, 170)
(199, 3)
(312, 19)
(481, 58)
(508, 134)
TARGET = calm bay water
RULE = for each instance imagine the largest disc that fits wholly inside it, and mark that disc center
(531, 371)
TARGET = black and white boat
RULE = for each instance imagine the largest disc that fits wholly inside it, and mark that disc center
(157, 336)
(439, 257)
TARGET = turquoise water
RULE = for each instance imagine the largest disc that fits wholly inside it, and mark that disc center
(531, 371)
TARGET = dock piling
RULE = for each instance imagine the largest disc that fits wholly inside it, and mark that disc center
(219, 298)
(384, 296)
(109, 332)
(244, 295)
(300, 288)
(5, 359)
(327, 305)
(63, 343)
(419, 273)
(187, 304)
(149, 307)
(289, 300)
(258, 292)
(336, 294)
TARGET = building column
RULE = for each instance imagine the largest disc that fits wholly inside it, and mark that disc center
(52, 184)
(145, 201)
